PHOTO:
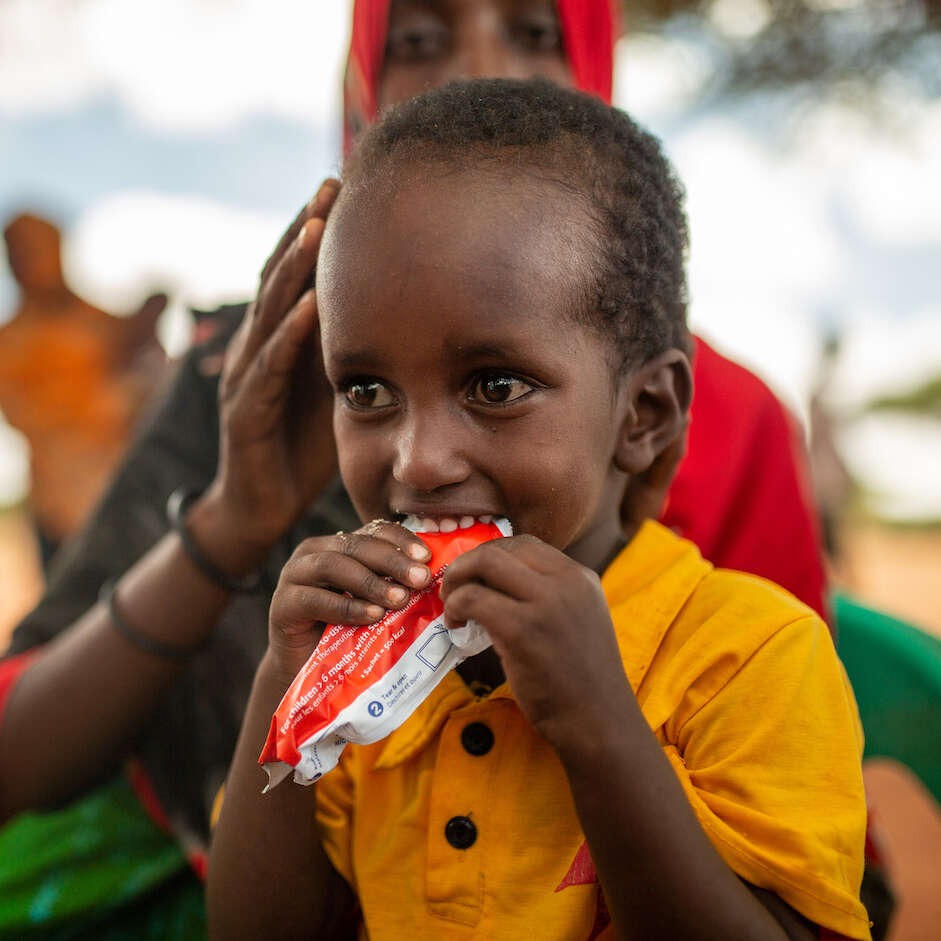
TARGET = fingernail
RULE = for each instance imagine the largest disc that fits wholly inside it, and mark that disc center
(397, 594)
(374, 612)
(305, 228)
(417, 574)
(418, 551)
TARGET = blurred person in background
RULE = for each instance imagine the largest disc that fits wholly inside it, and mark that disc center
(73, 380)
(160, 669)
(833, 485)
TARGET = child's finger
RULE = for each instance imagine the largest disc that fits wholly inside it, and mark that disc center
(299, 607)
(340, 572)
(410, 543)
(505, 568)
(472, 601)
(362, 565)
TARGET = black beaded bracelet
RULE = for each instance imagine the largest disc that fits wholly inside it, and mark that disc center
(179, 502)
(142, 642)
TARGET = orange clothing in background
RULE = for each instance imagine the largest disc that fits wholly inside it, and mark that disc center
(55, 387)
(73, 379)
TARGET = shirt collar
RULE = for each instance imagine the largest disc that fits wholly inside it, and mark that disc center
(645, 586)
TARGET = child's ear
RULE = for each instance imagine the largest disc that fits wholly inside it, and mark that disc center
(657, 398)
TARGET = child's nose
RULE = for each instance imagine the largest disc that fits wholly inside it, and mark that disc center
(429, 454)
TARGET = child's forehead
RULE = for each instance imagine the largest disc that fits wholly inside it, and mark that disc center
(464, 264)
(486, 231)
(500, 188)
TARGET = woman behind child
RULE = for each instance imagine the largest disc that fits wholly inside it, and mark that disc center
(674, 751)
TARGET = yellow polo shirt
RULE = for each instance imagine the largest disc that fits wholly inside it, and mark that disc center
(461, 823)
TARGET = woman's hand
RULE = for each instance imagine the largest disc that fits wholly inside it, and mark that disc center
(549, 622)
(275, 407)
(349, 578)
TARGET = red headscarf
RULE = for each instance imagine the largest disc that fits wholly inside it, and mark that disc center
(741, 492)
(589, 29)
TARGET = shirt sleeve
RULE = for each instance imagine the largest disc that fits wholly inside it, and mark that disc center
(335, 817)
(771, 763)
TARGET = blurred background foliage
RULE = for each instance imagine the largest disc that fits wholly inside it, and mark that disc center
(845, 46)
(924, 399)
(864, 54)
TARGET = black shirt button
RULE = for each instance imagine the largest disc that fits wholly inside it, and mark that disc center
(460, 832)
(477, 738)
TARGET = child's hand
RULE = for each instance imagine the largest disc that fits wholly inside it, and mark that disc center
(549, 622)
(341, 579)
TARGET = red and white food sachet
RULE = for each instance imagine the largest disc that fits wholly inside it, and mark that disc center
(362, 683)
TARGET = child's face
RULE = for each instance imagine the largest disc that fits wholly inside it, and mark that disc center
(463, 386)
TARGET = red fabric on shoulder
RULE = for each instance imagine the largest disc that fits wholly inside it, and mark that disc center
(741, 493)
(11, 670)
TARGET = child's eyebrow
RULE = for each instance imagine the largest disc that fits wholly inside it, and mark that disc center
(347, 359)
(485, 351)
(355, 359)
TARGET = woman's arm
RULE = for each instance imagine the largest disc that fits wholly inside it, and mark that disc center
(77, 706)
(74, 711)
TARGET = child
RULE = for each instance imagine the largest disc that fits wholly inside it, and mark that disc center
(666, 752)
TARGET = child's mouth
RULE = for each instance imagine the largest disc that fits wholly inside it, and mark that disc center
(440, 523)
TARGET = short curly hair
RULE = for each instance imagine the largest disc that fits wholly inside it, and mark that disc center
(637, 293)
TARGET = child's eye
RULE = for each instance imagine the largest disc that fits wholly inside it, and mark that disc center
(499, 389)
(368, 393)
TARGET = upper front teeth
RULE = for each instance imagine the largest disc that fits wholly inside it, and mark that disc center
(447, 524)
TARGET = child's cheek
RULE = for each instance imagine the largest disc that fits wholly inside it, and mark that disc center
(360, 471)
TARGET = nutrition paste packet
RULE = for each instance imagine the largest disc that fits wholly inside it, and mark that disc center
(362, 683)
